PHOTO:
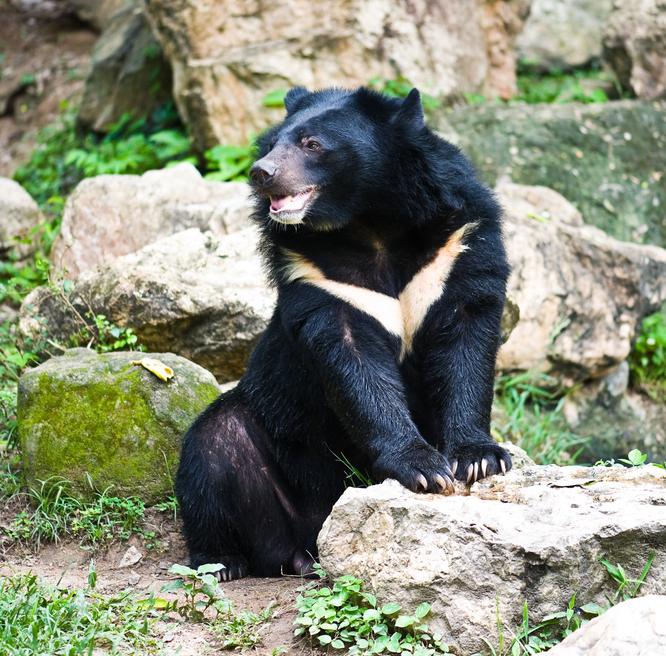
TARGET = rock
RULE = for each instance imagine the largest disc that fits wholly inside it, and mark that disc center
(615, 423)
(635, 627)
(46, 9)
(226, 60)
(635, 46)
(519, 456)
(19, 215)
(563, 33)
(131, 557)
(581, 293)
(535, 535)
(99, 13)
(608, 159)
(188, 293)
(133, 578)
(128, 73)
(112, 215)
(93, 415)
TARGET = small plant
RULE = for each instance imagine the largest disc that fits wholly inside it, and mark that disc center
(400, 88)
(225, 163)
(241, 630)
(635, 458)
(44, 620)
(627, 588)
(354, 477)
(532, 407)
(647, 361)
(201, 589)
(345, 617)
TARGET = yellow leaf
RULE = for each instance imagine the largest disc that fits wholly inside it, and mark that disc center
(155, 367)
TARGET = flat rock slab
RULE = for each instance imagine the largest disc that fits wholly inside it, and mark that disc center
(535, 535)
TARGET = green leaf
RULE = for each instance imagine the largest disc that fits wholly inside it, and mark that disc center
(371, 614)
(210, 568)
(404, 621)
(338, 644)
(423, 610)
(181, 570)
(391, 608)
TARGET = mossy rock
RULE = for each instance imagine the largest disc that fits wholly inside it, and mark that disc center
(98, 418)
(608, 159)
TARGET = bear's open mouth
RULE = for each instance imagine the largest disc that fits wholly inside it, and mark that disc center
(291, 208)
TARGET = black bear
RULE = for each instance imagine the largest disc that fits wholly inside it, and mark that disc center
(387, 255)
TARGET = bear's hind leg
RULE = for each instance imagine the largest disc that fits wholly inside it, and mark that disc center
(236, 511)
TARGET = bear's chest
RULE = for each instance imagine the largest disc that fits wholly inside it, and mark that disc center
(402, 312)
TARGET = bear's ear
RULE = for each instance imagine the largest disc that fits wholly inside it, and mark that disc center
(411, 110)
(294, 97)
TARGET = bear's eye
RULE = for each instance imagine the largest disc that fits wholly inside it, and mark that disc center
(311, 144)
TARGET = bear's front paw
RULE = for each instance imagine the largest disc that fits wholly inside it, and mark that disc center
(420, 468)
(472, 462)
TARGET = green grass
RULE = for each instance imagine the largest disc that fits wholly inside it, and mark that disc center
(531, 417)
(55, 514)
(38, 619)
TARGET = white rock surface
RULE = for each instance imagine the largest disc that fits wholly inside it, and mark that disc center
(635, 46)
(19, 214)
(636, 627)
(113, 215)
(563, 33)
(227, 56)
(200, 297)
(535, 535)
(581, 293)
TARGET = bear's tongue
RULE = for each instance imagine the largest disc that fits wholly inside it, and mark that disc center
(290, 203)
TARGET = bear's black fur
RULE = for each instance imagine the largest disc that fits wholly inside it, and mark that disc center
(387, 255)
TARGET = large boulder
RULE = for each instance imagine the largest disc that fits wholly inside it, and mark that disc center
(128, 75)
(563, 33)
(581, 293)
(187, 293)
(534, 536)
(225, 59)
(608, 159)
(19, 215)
(112, 215)
(108, 420)
(635, 46)
(635, 626)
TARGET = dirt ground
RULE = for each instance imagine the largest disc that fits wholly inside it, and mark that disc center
(43, 64)
(67, 563)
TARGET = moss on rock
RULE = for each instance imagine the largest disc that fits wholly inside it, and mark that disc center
(607, 159)
(95, 417)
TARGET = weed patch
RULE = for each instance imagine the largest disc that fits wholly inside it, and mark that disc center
(37, 619)
(344, 616)
(55, 514)
(531, 416)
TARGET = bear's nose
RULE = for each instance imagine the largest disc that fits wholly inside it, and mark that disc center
(263, 171)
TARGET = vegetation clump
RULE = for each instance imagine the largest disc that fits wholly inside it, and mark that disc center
(343, 616)
(648, 358)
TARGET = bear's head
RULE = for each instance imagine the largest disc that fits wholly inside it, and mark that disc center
(341, 155)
